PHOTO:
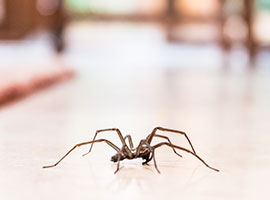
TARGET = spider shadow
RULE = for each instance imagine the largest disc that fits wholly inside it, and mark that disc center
(143, 176)
(133, 175)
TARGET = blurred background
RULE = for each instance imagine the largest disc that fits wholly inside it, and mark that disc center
(131, 33)
(198, 66)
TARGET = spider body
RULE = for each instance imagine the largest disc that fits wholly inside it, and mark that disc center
(131, 154)
(144, 150)
(144, 156)
(123, 155)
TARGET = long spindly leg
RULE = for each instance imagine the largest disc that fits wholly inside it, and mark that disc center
(186, 150)
(81, 144)
(155, 162)
(153, 155)
(150, 137)
(165, 137)
(118, 164)
(104, 130)
(130, 142)
(151, 149)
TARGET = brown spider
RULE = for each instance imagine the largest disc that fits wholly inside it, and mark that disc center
(144, 150)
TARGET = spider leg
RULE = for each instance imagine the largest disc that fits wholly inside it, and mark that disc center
(150, 137)
(152, 150)
(118, 164)
(82, 144)
(105, 130)
(153, 155)
(165, 137)
(155, 162)
(186, 150)
(130, 141)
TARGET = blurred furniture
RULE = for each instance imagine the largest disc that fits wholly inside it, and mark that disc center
(24, 16)
(178, 16)
(21, 17)
(182, 14)
(219, 19)
(249, 19)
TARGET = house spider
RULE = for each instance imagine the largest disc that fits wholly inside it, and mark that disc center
(144, 149)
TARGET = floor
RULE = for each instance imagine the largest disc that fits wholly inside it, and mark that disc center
(136, 82)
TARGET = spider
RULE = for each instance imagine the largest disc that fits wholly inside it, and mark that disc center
(144, 149)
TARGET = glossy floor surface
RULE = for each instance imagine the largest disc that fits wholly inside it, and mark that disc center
(224, 111)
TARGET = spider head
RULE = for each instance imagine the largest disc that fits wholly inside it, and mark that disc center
(146, 156)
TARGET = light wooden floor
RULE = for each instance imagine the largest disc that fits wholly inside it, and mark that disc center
(225, 113)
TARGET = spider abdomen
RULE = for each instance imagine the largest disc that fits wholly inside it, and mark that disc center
(114, 158)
